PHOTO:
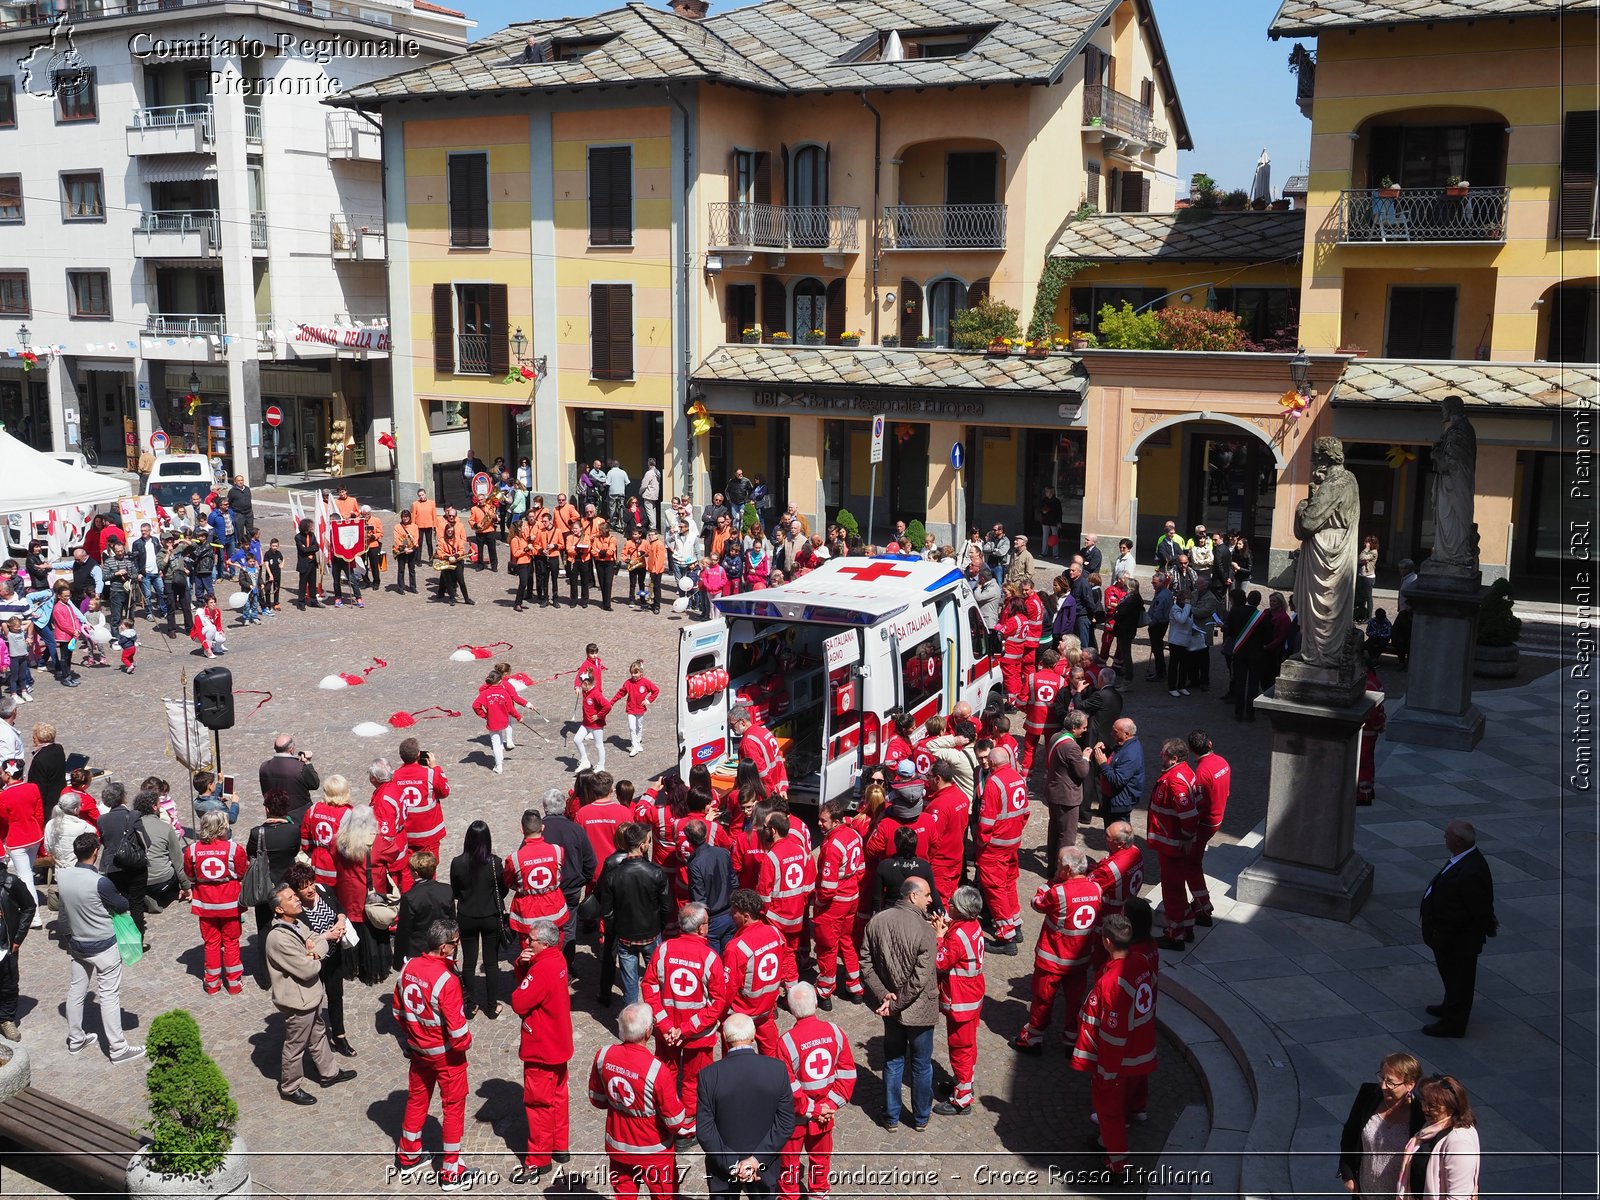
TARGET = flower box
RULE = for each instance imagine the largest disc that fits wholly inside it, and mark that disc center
(1389, 193)
(1038, 352)
(810, 339)
(999, 349)
(891, 341)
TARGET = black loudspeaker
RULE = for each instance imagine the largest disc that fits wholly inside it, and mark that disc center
(213, 698)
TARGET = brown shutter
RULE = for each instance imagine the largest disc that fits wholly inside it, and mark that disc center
(763, 177)
(1114, 190)
(827, 173)
(469, 200)
(1111, 72)
(1147, 93)
(599, 331)
(621, 300)
(444, 334)
(610, 195)
(780, 184)
(833, 319)
(732, 331)
(774, 306)
(1091, 191)
(1131, 195)
(1579, 163)
(1144, 194)
(977, 291)
(733, 177)
(498, 331)
(910, 312)
(1091, 64)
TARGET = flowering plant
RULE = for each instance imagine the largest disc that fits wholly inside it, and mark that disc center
(750, 331)
(780, 336)
(817, 333)
(850, 338)
(29, 360)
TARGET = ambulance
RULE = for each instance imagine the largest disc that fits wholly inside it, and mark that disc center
(823, 661)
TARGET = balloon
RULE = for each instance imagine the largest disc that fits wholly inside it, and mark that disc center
(370, 729)
(331, 683)
(465, 654)
(238, 600)
(681, 604)
(100, 635)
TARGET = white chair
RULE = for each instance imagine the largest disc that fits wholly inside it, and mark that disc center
(1391, 223)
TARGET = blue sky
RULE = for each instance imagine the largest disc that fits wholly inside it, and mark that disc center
(1234, 82)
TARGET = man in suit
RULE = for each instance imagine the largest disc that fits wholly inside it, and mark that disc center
(1457, 916)
(289, 771)
(746, 1114)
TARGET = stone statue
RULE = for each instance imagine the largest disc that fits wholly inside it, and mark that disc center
(1325, 576)
(1455, 468)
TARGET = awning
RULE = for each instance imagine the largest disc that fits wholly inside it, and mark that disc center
(177, 168)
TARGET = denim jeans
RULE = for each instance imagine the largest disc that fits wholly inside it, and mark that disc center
(252, 606)
(900, 1043)
(154, 590)
(631, 963)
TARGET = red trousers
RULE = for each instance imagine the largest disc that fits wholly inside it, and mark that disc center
(221, 938)
(1047, 985)
(962, 1037)
(834, 929)
(684, 1064)
(767, 1035)
(997, 880)
(657, 1172)
(1011, 676)
(1194, 875)
(1110, 1099)
(817, 1145)
(1175, 892)
(127, 656)
(788, 964)
(451, 1080)
(544, 1099)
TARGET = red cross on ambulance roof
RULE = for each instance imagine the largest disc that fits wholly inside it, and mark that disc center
(878, 570)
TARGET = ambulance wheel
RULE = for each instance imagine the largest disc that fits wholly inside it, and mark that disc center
(995, 699)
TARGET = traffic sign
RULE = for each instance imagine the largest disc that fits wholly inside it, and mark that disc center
(877, 439)
(273, 416)
(482, 485)
(958, 455)
(158, 442)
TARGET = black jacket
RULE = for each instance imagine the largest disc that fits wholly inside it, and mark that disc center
(476, 888)
(635, 899)
(1458, 906)
(892, 875)
(113, 826)
(1103, 706)
(711, 878)
(279, 841)
(286, 773)
(1368, 1097)
(17, 909)
(244, 512)
(578, 862)
(746, 1110)
(427, 901)
(48, 772)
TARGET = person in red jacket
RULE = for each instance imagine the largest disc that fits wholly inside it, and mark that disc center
(1120, 874)
(1116, 1038)
(422, 785)
(429, 1010)
(1001, 818)
(752, 963)
(533, 879)
(1070, 902)
(841, 866)
(591, 663)
(497, 703)
(686, 988)
(22, 826)
(641, 693)
(950, 805)
(602, 816)
(1010, 627)
(1032, 624)
(592, 726)
(544, 1002)
(784, 880)
(897, 745)
(1212, 773)
(217, 864)
(320, 826)
(1043, 686)
(1174, 821)
(390, 857)
(643, 1113)
(822, 1078)
(959, 962)
(757, 743)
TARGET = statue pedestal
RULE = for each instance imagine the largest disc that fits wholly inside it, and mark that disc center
(1438, 708)
(1308, 863)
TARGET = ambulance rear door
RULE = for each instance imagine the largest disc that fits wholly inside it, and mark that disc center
(841, 715)
(702, 694)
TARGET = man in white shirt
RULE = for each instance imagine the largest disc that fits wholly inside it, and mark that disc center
(11, 745)
(617, 482)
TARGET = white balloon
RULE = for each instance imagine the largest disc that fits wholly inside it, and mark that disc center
(238, 600)
(681, 604)
(100, 635)
(332, 682)
(463, 656)
(370, 729)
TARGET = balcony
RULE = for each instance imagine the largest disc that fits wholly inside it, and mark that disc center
(472, 354)
(826, 228)
(184, 337)
(252, 124)
(353, 138)
(184, 324)
(171, 129)
(1120, 118)
(943, 227)
(258, 231)
(1476, 214)
(191, 234)
(358, 237)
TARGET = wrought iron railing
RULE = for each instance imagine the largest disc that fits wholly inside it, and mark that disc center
(472, 354)
(208, 222)
(170, 116)
(785, 227)
(1472, 214)
(258, 231)
(1115, 112)
(184, 324)
(347, 230)
(943, 227)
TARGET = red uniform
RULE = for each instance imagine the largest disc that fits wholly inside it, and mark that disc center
(533, 880)
(543, 1000)
(922, 754)
(894, 750)
(217, 867)
(600, 821)
(421, 789)
(1013, 651)
(687, 990)
(640, 694)
(1117, 1041)
(785, 876)
(745, 851)
(841, 867)
(1001, 818)
(1032, 631)
(752, 963)
(822, 1076)
(595, 708)
(389, 857)
(317, 831)
(643, 1119)
(959, 961)
(1120, 877)
(1043, 687)
(761, 748)
(427, 1005)
(1174, 820)
(950, 808)
(1065, 949)
(1215, 779)
(497, 704)
(880, 844)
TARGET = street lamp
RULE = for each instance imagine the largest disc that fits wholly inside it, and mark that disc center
(519, 343)
(519, 347)
(1300, 372)
(24, 339)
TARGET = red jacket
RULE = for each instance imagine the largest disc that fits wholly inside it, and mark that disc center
(1004, 811)
(1174, 809)
(1071, 911)
(951, 808)
(533, 879)
(19, 815)
(751, 962)
(217, 868)
(880, 844)
(389, 848)
(88, 810)
(421, 788)
(497, 705)
(641, 694)
(1117, 1028)
(822, 1071)
(1010, 628)
(842, 866)
(643, 1113)
(317, 831)
(687, 989)
(1043, 688)
(894, 750)
(959, 961)
(924, 757)
(591, 664)
(595, 708)
(544, 1002)
(1215, 779)
(1119, 876)
(427, 1006)
(1033, 620)
(600, 821)
(745, 851)
(784, 879)
(761, 748)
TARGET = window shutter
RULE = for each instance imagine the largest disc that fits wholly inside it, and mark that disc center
(499, 322)
(444, 333)
(1130, 198)
(599, 331)
(774, 306)
(910, 312)
(469, 200)
(1147, 93)
(827, 173)
(1114, 190)
(977, 291)
(781, 183)
(1579, 163)
(621, 331)
(1092, 189)
(733, 178)
(833, 319)
(763, 177)
(732, 330)
(611, 195)
(1437, 334)
(1144, 193)
(1091, 64)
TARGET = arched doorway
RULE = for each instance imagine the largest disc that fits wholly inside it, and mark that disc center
(1205, 469)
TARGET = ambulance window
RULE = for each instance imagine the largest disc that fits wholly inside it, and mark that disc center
(921, 671)
(980, 635)
(698, 665)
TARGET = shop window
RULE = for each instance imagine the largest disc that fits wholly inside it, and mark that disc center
(8, 102)
(469, 200)
(446, 415)
(611, 195)
(89, 293)
(10, 199)
(921, 672)
(75, 95)
(82, 196)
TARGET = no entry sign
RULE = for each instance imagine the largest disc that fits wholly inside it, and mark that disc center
(273, 415)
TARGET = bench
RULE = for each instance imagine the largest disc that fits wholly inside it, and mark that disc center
(78, 1141)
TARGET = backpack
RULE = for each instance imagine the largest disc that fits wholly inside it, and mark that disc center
(130, 854)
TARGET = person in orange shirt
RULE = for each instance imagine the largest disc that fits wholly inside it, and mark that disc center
(632, 558)
(346, 505)
(406, 546)
(374, 546)
(547, 548)
(485, 520)
(521, 552)
(453, 550)
(580, 561)
(425, 516)
(655, 565)
(603, 549)
(720, 533)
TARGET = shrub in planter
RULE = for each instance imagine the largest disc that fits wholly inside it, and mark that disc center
(846, 521)
(749, 518)
(915, 533)
(890, 341)
(986, 323)
(1498, 624)
(192, 1114)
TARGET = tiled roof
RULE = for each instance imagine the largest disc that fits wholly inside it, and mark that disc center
(1195, 234)
(777, 46)
(1297, 185)
(923, 370)
(1479, 384)
(424, 6)
(1307, 18)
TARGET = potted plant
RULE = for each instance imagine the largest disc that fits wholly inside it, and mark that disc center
(1038, 348)
(1495, 656)
(1202, 190)
(1082, 339)
(193, 1150)
(850, 338)
(781, 338)
(924, 342)
(1456, 186)
(1259, 204)
(812, 337)
(750, 335)
(891, 340)
(1388, 188)
(1236, 200)
(1281, 204)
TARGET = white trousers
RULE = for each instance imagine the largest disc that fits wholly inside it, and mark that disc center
(636, 731)
(22, 860)
(582, 739)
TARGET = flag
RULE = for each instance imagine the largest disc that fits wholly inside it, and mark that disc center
(191, 746)
(324, 520)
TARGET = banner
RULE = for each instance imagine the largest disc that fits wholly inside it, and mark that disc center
(136, 511)
(347, 538)
(191, 746)
(349, 339)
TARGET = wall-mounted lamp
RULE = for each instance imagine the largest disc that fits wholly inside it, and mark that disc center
(194, 383)
(25, 339)
(1300, 372)
(519, 347)
(888, 299)
(713, 264)
(1186, 297)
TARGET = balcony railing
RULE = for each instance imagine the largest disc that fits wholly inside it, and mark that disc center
(827, 227)
(1475, 214)
(351, 136)
(166, 116)
(258, 231)
(171, 129)
(472, 354)
(252, 123)
(943, 227)
(184, 324)
(1120, 115)
(357, 237)
(178, 234)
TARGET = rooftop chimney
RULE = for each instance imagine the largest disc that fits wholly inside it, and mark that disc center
(693, 10)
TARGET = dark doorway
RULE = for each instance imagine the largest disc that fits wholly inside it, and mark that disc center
(906, 452)
(1232, 482)
(970, 177)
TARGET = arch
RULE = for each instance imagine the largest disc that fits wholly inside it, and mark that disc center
(806, 172)
(808, 299)
(934, 299)
(1278, 459)
(1456, 140)
(1568, 312)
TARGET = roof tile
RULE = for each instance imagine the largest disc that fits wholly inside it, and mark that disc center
(1307, 18)
(943, 370)
(1482, 385)
(1189, 234)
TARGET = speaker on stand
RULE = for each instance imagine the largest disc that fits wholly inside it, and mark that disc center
(213, 706)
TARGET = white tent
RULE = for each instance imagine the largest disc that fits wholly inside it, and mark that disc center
(31, 481)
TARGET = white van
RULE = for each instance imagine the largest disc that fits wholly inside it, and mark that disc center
(824, 660)
(176, 477)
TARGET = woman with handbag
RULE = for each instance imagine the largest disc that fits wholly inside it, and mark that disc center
(603, 547)
(322, 914)
(279, 841)
(475, 882)
(369, 961)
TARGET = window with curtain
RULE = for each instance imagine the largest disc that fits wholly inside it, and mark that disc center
(810, 307)
(946, 297)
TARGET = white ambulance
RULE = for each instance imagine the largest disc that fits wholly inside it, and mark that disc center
(822, 662)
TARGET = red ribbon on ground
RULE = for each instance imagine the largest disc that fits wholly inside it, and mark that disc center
(404, 720)
(486, 651)
(265, 696)
(358, 680)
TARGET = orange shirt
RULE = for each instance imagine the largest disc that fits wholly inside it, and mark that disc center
(521, 549)
(374, 533)
(566, 518)
(579, 541)
(719, 539)
(452, 540)
(603, 547)
(424, 514)
(347, 506)
(546, 542)
(461, 530)
(632, 553)
(405, 539)
(484, 518)
(655, 556)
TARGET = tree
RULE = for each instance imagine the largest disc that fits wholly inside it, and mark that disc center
(192, 1114)
(987, 321)
(1124, 329)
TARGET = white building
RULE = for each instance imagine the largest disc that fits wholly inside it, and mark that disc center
(181, 216)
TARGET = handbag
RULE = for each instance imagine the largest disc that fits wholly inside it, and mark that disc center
(256, 887)
(508, 936)
(130, 942)
(380, 909)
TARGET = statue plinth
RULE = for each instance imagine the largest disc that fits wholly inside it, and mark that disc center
(1438, 708)
(1308, 862)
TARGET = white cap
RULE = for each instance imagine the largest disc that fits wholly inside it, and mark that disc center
(366, 508)
(821, 552)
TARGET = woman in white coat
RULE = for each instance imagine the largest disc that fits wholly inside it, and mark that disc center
(1441, 1161)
